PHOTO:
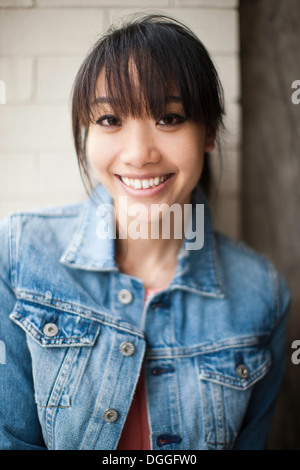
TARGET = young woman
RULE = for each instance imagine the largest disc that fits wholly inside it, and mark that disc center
(116, 333)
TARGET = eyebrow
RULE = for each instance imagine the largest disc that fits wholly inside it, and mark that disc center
(108, 100)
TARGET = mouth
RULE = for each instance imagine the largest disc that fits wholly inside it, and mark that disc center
(143, 186)
(144, 183)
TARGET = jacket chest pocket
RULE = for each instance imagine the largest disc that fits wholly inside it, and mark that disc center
(227, 377)
(60, 343)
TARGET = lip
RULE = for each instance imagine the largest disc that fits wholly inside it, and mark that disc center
(145, 176)
(149, 192)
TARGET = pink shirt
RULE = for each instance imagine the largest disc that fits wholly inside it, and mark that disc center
(136, 432)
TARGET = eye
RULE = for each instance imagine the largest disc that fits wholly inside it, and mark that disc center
(109, 120)
(171, 119)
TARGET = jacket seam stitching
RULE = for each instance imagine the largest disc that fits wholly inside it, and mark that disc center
(87, 314)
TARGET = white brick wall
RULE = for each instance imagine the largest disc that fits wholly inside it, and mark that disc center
(17, 73)
(16, 3)
(42, 43)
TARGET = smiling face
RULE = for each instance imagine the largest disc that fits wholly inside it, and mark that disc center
(150, 161)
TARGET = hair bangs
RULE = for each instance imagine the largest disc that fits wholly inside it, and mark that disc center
(138, 78)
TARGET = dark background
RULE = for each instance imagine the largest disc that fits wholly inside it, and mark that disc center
(270, 62)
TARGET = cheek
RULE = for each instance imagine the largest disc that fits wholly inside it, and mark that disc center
(91, 147)
(193, 165)
(196, 153)
(98, 153)
(191, 158)
(191, 145)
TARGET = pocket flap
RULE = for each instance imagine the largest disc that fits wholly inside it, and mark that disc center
(237, 367)
(52, 327)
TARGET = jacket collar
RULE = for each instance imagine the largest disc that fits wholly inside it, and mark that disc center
(87, 251)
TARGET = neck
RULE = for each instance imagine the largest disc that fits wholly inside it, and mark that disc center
(140, 250)
(153, 259)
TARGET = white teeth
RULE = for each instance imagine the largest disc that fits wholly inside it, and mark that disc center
(137, 184)
(143, 183)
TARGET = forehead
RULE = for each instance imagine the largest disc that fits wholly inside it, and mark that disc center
(134, 78)
(127, 93)
(101, 84)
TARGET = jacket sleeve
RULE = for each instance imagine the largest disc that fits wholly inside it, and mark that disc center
(19, 424)
(258, 418)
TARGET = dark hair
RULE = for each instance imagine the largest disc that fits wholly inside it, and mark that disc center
(165, 53)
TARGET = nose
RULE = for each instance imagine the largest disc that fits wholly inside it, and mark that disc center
(140, 146)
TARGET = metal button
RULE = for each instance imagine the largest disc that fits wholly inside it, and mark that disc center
(127, 349)
(242, 371)
(50, 329)
(110, 415)
(125, 296)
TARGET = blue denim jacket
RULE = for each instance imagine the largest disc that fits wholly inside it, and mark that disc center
(75, 335)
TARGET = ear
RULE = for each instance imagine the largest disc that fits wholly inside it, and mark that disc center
(209, 139)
